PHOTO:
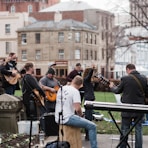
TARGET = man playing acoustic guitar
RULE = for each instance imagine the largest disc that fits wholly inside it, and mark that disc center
(32, 93)
(10, 74)
(50, 85)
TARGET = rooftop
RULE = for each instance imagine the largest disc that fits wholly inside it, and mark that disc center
(68, 6)
(63, 24)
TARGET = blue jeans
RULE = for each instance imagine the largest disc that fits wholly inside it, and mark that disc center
(125, 126)
(80, 122)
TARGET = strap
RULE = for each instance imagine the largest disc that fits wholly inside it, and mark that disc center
(139, 83)
(27, 83)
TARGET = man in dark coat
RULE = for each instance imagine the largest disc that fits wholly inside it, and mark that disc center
(77, 71)
(132, 94)
(29, 83)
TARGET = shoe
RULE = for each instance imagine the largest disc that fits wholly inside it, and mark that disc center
(86, 138)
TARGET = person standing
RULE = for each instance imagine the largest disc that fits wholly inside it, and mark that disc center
(77, 71)
(29, 83)
(50, 85)
(68, 104)
(131, 94)
(10, 74)
(88, 93)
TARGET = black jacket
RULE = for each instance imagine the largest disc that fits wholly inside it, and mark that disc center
(28, 84)
(6, 70)
(88, 87)
(131, 91)
(72, 74)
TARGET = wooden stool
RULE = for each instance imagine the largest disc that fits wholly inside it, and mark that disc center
(72, 135)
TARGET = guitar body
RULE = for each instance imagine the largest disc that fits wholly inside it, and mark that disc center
(13, 80)
(50, 95)
(38, 98)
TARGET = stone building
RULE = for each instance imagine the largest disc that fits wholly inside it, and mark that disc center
(9, 23)
(25, 5)
(64, 42)
(103, 20)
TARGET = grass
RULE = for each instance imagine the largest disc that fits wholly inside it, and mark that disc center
(109, 127)
(104, 126)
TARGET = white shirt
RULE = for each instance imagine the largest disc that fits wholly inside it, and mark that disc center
(69, 96)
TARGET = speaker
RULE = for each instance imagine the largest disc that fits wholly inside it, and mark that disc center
(51, 128)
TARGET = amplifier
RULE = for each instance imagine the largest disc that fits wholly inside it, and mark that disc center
(51, 128)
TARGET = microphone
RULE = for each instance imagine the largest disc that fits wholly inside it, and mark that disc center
(59, 84)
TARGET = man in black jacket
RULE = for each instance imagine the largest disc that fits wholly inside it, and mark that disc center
(132, 94)
(29, 83)
(77, 71)
(10, 74)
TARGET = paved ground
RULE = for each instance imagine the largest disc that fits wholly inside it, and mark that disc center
(104, 141)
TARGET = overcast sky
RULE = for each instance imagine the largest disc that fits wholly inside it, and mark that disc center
(110, 5)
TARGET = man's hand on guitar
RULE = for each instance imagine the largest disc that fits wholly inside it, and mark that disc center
(111, 84)
(53, 90)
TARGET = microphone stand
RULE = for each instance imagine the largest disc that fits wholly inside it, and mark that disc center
(61, 115)
(32, 108)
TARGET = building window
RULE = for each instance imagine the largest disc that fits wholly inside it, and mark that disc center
(95, 39)
(61, 72)
(7, 28)
(24, 55)
(95, 55)
(91, 54)
(37, 38)
(12, 9)
(86, 54)
(38, 71)
(24, 39)
(38, 55)
(61, 37)
(91, 40)
(30, 9)
(86, 37)
(77, 54)
(77, 37)
(102, 35)
(7, 47)
(61, 54)
(102, 53)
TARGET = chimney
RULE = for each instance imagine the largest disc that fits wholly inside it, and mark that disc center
(57, 16)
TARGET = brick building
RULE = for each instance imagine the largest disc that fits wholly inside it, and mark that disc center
(25, 5)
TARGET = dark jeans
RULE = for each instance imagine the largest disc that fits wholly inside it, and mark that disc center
(125, 126)
(88, 115)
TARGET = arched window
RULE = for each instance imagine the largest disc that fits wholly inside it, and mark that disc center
(12, 9)
(30, 9)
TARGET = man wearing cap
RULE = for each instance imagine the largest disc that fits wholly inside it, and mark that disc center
(48, 84)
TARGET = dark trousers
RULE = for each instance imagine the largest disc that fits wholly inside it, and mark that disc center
(88, 115)
(10, 89)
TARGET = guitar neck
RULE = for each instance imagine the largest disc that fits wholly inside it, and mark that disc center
(102, 79)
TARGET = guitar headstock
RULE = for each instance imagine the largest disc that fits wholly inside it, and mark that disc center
(102, 79)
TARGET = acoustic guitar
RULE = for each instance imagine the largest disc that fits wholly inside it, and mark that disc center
(13, 79)
(50, 95)
(38, 98)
